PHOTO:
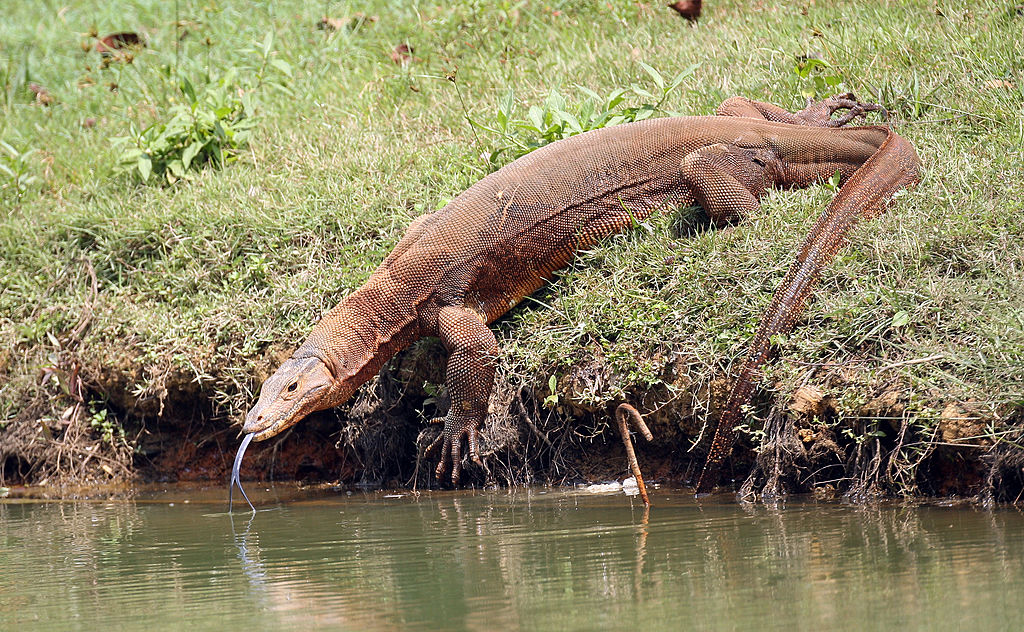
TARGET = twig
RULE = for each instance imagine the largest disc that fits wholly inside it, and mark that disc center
(937, 356)
(623, 413)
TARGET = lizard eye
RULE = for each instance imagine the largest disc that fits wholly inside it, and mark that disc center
(291, 387)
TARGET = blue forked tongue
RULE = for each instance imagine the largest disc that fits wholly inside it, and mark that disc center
(234, 473)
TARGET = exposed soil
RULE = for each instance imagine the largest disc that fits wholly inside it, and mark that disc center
(173, 434)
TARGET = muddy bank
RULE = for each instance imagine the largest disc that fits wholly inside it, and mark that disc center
(797, 441)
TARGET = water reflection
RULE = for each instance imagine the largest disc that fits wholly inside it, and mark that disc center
(249, 553)
(524, 559)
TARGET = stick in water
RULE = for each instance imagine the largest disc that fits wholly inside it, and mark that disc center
(625, 413)
(234, 473)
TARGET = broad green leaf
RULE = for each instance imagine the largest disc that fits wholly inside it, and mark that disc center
(574, 124)
(637, 90)
(145, 166)
(655, 75)
(283, 66)
(678, 79)
(190, 92)
(190, 153)
(537, 117)
(590, 93)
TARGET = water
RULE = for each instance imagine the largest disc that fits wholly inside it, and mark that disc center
(510, 560)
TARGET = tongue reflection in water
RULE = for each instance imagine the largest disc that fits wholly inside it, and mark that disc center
(234, 473)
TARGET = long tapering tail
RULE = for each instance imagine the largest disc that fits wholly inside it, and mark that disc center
(894, 166)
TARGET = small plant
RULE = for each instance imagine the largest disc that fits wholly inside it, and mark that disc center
(15, 77)
(14, 169)
(552, 400)
(207, 128)
(817, 81)
(101, 422)
(832, 184)
(556, 119)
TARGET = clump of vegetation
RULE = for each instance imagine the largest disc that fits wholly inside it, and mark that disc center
(16, 169)
(208, 127)
(555, 119)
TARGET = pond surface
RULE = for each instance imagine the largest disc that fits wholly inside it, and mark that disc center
(532, 559)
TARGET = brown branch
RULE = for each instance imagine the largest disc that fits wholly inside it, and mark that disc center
(623, 413)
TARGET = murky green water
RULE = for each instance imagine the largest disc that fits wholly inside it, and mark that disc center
(510, 560)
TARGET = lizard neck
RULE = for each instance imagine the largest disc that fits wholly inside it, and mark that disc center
(365, 330)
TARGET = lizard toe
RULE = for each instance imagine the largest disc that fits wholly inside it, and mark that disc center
(456, 456)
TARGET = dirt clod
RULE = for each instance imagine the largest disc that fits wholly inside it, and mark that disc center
(810, 401)
(956, 425)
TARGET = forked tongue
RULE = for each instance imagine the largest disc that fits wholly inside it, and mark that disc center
(234, 473)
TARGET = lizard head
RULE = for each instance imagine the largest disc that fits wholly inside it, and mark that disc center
(298, 387)
(302, 385)
(340, 354)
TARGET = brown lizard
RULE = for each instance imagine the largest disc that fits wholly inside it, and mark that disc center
(459, 269)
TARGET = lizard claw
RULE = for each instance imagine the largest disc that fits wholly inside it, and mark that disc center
(450, 443)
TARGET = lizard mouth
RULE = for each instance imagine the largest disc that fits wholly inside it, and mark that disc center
(263, 426)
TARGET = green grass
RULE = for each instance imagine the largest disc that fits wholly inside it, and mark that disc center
(201, 282)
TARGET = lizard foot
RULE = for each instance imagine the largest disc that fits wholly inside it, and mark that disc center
(820, 114)
(450, 444)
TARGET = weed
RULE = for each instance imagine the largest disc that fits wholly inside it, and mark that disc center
(100, 421)
(210, 127)
(556, 119)
(15, 169)
(815, 79)
(552, 400)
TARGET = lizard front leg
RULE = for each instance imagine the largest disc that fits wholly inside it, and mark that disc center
(728, 181)
(470, 376)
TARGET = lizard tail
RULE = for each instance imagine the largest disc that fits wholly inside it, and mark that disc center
(893, 166)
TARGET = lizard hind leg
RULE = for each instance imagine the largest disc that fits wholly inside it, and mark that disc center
(820, 114)
(470, 376)
(816, 114)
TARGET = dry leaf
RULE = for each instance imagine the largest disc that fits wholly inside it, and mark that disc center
(43, 96)
(401, 54)
(996, 84)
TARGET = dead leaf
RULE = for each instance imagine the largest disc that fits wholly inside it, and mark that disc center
(115, 42)
(996, 84)
(43, 96)
(402, 54)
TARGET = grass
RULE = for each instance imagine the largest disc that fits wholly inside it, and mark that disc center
(201, 283)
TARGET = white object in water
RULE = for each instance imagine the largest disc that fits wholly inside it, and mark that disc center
(604, 488)
(629, 487)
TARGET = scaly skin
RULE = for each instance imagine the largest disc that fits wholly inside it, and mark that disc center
(457, 270)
